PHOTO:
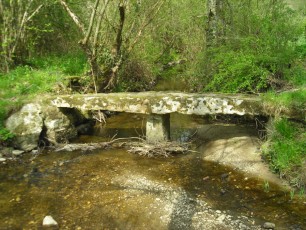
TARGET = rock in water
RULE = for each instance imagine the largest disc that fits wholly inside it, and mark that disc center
(17, 152)
(269, 225)
(2, 159)
(49, 221)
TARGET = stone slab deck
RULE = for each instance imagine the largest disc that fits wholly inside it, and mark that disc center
(163, 103)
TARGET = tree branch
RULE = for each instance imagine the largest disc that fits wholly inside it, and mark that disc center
(35, 12)
(73, 16)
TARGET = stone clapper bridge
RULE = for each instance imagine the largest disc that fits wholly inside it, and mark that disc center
(159, 105)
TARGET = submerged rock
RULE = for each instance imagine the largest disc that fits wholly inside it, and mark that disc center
(269, 225)
(49, 221)
(2, 159)
(17, 152)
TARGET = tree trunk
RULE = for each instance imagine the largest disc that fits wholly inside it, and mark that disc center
(215, 24)
(111, 75)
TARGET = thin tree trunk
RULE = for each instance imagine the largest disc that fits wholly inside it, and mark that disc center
(97, 30)
(111, 76)
(90, 27)
(73, 16)
(84, 43)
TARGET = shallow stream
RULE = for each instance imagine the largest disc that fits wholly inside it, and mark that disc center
(114, 189)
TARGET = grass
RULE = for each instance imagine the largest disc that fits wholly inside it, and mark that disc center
(41, 75)
(292, 103)
(286, 150)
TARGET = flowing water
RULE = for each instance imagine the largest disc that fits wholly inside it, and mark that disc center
(114, 189)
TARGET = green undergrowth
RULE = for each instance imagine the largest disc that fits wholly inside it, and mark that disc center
(285, 150)
(40, 75)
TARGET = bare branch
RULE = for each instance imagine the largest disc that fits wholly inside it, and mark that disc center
(99, 23)
(1, 8)
(93, 14)
(35, 12)
(21, 28)
(152, 14)
(73, 16)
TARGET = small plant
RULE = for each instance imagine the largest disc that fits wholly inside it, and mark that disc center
(292, 192)
(266, 186)
(302, 192)
(5, 135)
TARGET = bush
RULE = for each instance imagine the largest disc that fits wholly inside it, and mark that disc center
(237, 72)
(135, 75)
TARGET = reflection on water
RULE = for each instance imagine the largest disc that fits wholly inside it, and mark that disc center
(113, 189)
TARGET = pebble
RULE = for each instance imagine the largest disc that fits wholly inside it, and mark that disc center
(269, 225)
(224, 176)
(221, 218)
(34, 151)
(218, 211)
(49, 221)
(2, 159)
(17, 152)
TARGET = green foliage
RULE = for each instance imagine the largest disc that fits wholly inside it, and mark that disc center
(256, 49)
(296, 76)
(238, 73)
(70, 64)
(301, 47)
(286, 151)
(176, 33)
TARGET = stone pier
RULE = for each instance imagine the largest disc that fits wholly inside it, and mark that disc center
(158, 127)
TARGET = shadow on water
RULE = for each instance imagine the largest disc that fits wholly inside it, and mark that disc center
(113, 189)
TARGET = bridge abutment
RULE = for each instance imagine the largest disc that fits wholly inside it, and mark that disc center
(158, 127)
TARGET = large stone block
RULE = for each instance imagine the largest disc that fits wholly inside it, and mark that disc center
(27, 125)
(59, 128)
(38, 121)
